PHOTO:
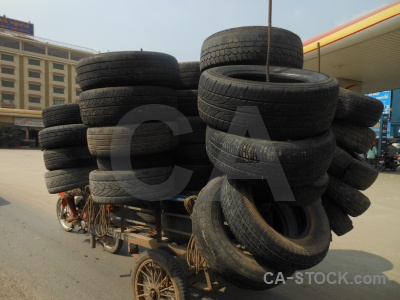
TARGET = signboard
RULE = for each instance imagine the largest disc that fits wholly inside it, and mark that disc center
(15, 25)
(377, 128)
(395, 130)
(382, 129)
(385, 97)
(382, 145)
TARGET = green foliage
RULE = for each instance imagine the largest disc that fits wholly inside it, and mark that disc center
(10, 135)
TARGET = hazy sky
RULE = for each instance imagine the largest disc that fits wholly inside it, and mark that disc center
(176, 27)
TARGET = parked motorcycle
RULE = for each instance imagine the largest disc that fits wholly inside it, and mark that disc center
(87, 221)
(390, 163)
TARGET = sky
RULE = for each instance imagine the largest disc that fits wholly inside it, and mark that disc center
(175, 27)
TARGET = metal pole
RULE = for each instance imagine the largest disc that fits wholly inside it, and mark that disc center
(269, 37)
(319, 57)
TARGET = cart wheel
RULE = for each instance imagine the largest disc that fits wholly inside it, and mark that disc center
(62, 214)
(157, 275)
(111, 242)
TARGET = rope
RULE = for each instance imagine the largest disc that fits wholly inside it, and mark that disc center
(194, 258)
(89, 210)
(103, 221)
(269, 37)
(189, 203)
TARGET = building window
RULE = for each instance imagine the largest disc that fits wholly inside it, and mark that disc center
(7, 83)
(58, 66)
(57, 90)
(33, 62)
(7, 57)
(58, 78)
(33, 74)
(57, 52)
(34, 48)
(8, 97)
(9, 43)
(6, 70)
(77, 56)
(34, 99)
(34, 87)
(58, 101)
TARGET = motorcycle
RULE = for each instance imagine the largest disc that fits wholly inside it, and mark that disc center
(390, 163)
(88, 213)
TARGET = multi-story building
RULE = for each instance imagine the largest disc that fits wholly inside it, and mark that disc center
(35, 73)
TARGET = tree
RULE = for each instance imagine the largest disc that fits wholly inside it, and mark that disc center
(10, 135)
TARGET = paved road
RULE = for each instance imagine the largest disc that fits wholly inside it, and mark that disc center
(40, 261)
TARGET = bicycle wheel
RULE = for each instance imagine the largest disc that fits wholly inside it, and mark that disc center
(157, 275)
(111, 241)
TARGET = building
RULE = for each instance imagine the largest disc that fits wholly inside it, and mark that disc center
(35, 73)
(363, 55)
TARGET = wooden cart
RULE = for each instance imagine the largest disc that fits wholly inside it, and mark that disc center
(163, 269)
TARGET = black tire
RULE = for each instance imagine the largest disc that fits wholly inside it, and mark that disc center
(218, 248)
(67, 179)
(198, 134)
(303, 195)
(145, 214)
(349, 199)
(187, 102)
(137, 162)
(358, 109)
(339, 221)
(67, 157)
(130, 187)
(189, 75)
(169, 267)
(148, 138)
(303, 162)
(127, 68)
(176, 206)
(63, 114)
(353, 138)
(63, 136)
(106, 106)
(301, 250)
(249, 46)
(352, 170)
(200, 176)
(294, 105)
(191, 155)
(172, 222)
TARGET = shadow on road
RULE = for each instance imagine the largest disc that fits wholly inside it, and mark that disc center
(3, 202)
(353, 262)
(389, 172)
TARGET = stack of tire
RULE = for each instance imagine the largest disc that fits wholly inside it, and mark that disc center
(349, 173)
(122, 94)
(66, 155)
(191, 153)
(273, 142)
